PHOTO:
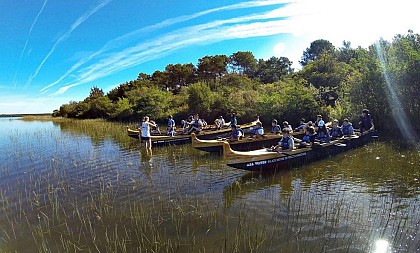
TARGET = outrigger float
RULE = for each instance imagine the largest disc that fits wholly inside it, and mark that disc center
(244, 144)
(179, 138)
(265, 159)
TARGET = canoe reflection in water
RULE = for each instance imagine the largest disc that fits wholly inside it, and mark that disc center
(252, 181)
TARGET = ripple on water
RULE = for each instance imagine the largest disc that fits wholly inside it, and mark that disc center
(341, 204)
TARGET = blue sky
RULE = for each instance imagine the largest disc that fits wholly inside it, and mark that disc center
(54, 51)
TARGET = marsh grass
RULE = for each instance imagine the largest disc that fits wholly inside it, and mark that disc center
(76, 190)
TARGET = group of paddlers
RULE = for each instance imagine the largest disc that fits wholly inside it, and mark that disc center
(313, 132)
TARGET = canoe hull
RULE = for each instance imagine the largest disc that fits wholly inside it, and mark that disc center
(276, 161)
(162, 140)
(239, 146)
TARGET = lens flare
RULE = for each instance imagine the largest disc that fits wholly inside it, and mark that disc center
(403, 122)
(381, 246)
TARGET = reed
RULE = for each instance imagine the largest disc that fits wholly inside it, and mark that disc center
(87, 193)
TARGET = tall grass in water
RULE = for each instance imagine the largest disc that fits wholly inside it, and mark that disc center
(93, 196)
(68, 200)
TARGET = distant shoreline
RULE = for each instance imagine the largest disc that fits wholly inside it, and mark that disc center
(23, 115)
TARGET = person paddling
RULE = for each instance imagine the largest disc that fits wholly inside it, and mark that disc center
(286, 143)
(145, 137)
(365, 123)
(171, 126)
(347, 128)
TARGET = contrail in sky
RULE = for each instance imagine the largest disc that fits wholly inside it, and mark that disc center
(172, 21)
(78, 22)
(201, 34)
(27, 39)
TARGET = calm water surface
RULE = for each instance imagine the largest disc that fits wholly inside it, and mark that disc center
(67, 187)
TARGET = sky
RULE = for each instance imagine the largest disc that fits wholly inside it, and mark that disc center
(53, 51)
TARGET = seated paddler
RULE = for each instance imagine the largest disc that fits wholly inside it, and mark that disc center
(335, 131)
(257, 131)
(286, 143)
(237, 133)
(196, 125)
(309, 138)
(347, 128)
(275, 128)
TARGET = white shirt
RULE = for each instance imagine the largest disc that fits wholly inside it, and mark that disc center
(145, 129)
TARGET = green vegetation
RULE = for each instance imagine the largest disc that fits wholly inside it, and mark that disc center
(336, 82)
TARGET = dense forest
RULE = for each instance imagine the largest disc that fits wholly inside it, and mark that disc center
(335, 82)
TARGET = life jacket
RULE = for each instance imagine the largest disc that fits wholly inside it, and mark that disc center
(319, 121)
(335, 132)
(284, 143)
(306, 138)
(275, 129)
(171, 123)
(254, 131)
(346, 129)
(238, 133)
(195, 123)
(300, 127)
(323, 136)
(366, 122)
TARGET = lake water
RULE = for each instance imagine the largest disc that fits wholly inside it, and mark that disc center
(87, 187)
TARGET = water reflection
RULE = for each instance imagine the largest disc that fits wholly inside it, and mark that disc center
(382, 246)
(256, 181)
(92, 182)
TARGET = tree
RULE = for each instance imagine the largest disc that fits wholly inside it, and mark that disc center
(120, 91)
(316, 48)
(331, 77)
(179, 75)
(200, 98)
(122, 109)
(243, 63)
(212, 67)
(150, 101)
(273, 69)
(99, 107)
(160, 79)
(95, 92)
(346, 53)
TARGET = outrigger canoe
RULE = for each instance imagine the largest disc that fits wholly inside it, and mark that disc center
(179, 138)
(244, 144)
(264, 159)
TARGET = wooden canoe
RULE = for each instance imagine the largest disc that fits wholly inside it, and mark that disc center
(263, 160)
(206, 134)
(244, 144)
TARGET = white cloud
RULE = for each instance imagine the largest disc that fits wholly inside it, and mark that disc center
(211, 32)
(19, 104)
(67, 34)
(27, 40)
(361, 22)
(139, 33)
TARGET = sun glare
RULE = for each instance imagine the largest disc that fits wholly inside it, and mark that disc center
(358, 21)
(381, 246)
(278, 49)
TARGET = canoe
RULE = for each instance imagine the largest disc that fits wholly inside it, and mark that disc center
(244, 144)
(264, 160)
(206, 134)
